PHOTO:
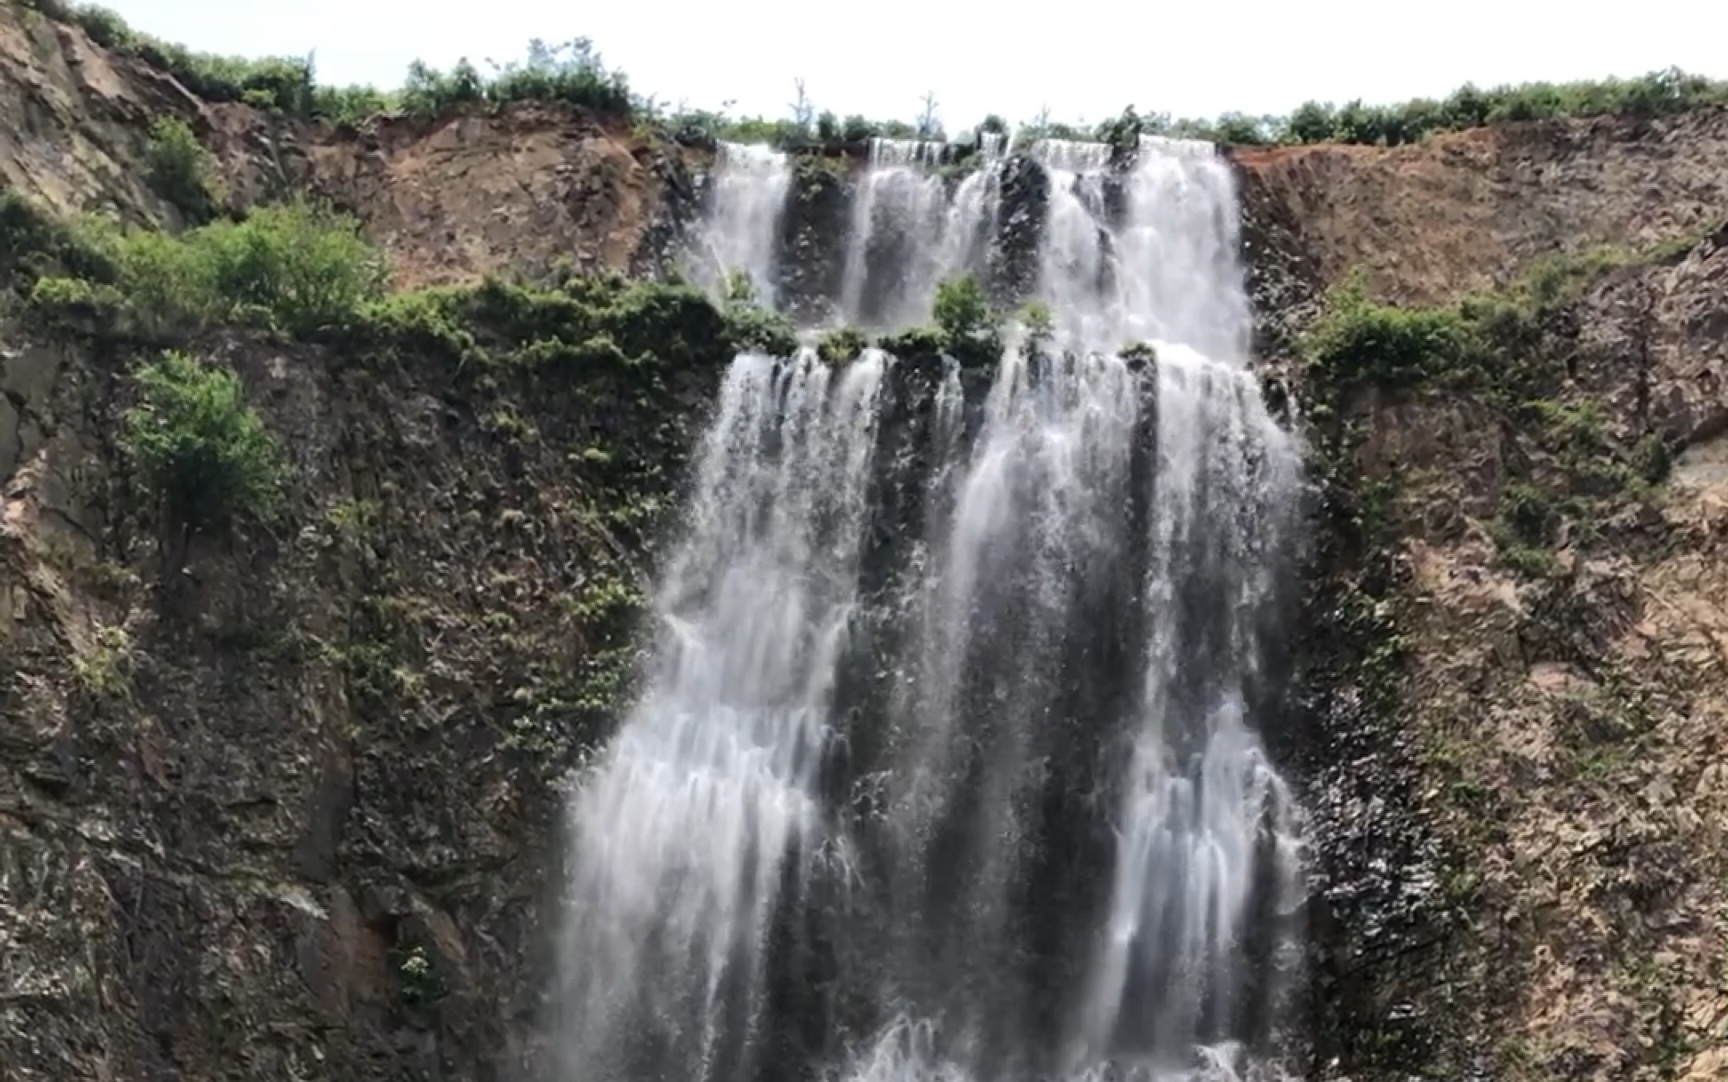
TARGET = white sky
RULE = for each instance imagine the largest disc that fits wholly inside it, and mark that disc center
(1084, 59)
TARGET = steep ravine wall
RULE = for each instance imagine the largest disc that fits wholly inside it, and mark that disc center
(280, 804)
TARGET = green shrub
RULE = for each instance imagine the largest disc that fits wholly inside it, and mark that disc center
(917, 345)
(291, 268)
(178, 170)
(198, 445)
(1140, 355)
(571, 72)
(750, 326)
(1039, 323)
(1358, 341)
(73, 304)
(586, 323)
(424, 323)
(35, 242)
(961, 310)
(350, 104)
(971, 328)
(841, 345)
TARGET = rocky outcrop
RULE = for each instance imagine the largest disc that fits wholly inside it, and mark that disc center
(1467, 210)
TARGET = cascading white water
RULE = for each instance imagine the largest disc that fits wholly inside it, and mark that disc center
(679, 831)
(907, 234)
(1029, 719)
(741, 229)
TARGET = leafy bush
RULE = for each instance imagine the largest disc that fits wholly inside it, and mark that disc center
(751, 326)
(35, 243)
(199, 446)
(569, 72)
(970, 327)
(292, 268)
(73, 304)
(1357, 341)
(841, 345)
(1140, 355)
(1040, 324)
(179, 170)
(1658, 93)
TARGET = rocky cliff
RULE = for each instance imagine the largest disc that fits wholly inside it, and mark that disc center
(279, 801)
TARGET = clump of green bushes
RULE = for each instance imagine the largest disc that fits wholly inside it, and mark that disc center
(966, 327)
(301, 271)
(1357, 341)
(292, 268)
(198, 445)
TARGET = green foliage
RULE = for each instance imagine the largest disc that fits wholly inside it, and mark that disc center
(304, 272)
(73, 304)
(291, 268)
(1357, 341)
(961, 309)
(35, 243)
(570, 72)
(352, 104)
(199, 445)
(761, 330)
(179, 170)
(103, 665)
(967, 328)
(418, 981)
(1140, 354)
(971, 328)
(915, 344)
(577, 327)
(841, 345)
(1655, 94)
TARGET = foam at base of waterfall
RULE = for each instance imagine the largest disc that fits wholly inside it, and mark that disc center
(908, 1050)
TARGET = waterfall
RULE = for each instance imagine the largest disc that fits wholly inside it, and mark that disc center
(947, 761)
(907, 234)
(741, 227)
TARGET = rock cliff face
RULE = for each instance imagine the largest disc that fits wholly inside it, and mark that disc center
(282, 805)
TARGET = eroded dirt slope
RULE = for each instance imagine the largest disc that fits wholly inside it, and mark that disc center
(1466, 210)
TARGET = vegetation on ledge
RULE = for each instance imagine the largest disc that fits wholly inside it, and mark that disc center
(301, 271)
(1563, 466)
(573, 72)
(298, 272)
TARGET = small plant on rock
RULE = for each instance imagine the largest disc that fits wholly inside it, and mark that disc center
(179, 170)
